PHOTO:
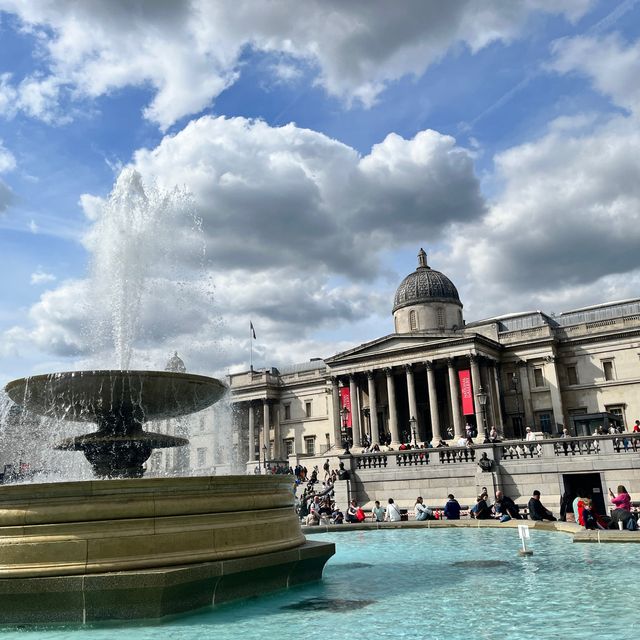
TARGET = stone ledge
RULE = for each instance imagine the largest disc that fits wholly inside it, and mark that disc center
(159, 592)
(579, 534)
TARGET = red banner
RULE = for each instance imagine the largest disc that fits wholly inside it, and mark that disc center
(345, 402)
(466, 391)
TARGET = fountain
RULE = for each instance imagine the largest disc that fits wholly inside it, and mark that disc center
(123, 546)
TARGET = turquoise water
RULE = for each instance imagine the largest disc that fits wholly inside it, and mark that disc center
(418, 583)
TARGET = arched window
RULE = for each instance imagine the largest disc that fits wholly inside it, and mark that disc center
(440, 317)
(413, 320)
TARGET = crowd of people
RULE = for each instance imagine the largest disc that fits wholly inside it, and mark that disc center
(317, 505)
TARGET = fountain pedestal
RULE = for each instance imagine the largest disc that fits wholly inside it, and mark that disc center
(126, 549)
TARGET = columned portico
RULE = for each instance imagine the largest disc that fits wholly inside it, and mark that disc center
(393, 414)
(455, 399)
(355, 411)
(373, 406)
(433, 404)
(413, 405)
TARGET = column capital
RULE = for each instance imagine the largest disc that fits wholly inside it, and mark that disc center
(408, 367)
(388, 371)
(429, 364)
(550, 358)
(370, 374)
(450, 363)
(474, 357)
(334, 380)
(521, 363)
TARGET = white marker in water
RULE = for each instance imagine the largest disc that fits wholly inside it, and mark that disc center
(523, 532)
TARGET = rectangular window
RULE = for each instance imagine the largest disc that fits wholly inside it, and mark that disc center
(287, 411)
(288, 447)
(202, 457)
(572, 374)
(607, 368)
(618, 411)
(538, 377)
(307, 408)
(310, 446)
(544, 420)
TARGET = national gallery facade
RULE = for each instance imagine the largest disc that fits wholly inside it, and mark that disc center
(435, 375)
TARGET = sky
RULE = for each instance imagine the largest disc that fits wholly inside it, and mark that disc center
(316, 147)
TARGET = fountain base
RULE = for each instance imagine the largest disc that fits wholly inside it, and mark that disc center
(147, 548)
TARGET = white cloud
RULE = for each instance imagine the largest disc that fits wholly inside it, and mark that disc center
(612, 65)
(41, 277)
(189, 52)
(293, 224)
(565, 229)
(7, 159)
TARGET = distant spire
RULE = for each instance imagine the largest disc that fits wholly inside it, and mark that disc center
(422, 259)
(175, 364)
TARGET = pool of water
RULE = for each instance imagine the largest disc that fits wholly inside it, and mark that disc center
(454, 584)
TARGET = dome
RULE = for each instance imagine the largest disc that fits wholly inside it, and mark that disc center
(425, 285)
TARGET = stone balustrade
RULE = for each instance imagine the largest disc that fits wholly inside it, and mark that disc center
(626, 443)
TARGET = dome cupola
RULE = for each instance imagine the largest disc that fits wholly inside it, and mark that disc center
(426, 300)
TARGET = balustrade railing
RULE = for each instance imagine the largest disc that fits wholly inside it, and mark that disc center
(512, 450)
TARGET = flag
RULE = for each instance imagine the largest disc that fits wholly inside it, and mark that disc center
(253, 331)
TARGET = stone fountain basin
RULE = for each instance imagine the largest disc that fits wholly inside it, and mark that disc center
(88, 396)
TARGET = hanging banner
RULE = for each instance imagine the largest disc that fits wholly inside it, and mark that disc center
(466, 391)
(345, 402)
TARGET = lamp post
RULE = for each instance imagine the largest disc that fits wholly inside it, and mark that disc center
(412, 428)
(264, 457)
(482, 396)
(514, 387)
(346, 441)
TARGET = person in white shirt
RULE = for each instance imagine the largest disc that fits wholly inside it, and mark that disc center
(393, 513)
(422, 512)
(530, 435)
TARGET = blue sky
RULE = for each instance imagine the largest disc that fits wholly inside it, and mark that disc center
(323, 149)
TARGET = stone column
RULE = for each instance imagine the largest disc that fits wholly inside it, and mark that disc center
(393, 415)
(252, 433)
(433, 404)
(277, 441)
(266, 422)
(523, 375)
(373, 406)
(335, 403)
(497, 411)
(454, 396)
(476, 384)
(413, 405)
(551, 373)
(355, 412)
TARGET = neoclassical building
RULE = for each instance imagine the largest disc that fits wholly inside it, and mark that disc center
(435, 374)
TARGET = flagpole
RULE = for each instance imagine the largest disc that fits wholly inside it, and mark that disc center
(250, 347)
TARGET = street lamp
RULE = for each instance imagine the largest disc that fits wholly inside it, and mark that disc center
(264, 456)
(482, 396)
(344, 414)
(412, 428)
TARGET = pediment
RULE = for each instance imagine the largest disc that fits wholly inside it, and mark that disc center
(389, 345)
